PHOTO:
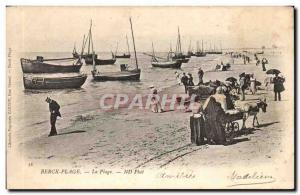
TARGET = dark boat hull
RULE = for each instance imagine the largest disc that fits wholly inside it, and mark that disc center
(123, 56)
(35, 66)
(200, 54)
(35, 82)
(132, 75)
(182, 60)
(89, 61)
(176, 64)
(214, 52)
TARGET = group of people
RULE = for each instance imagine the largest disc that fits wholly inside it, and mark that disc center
(263, 62)
(187, 79)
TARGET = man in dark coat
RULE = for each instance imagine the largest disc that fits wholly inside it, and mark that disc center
(278, 86)
(54, 113)
(242, 86)
(184, 80)
(200, 75)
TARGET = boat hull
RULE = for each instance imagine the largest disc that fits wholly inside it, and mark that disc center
(35, 66)
(200, 54)
(89, 61)
(36, 82)
(123, 56)
(214, 52)
(132, 75)
(183, 60)
(175, 64)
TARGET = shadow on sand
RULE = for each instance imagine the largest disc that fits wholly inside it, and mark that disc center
(267, 124)
(71, 132)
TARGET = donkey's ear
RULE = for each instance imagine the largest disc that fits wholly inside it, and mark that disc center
(265, 99)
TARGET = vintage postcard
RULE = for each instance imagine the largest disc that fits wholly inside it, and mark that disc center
(150, 97)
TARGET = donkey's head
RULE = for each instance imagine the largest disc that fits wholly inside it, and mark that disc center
(262, 104)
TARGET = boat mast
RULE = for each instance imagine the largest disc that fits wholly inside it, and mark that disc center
(179, 41)
(136, 62)
(127, 45)
(91, 41)
(153, 53)
(202, 46)
(90, 34)
(117, 48)
(74, 50)
(82, 48)
(198, 46)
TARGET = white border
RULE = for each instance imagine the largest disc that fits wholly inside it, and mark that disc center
(4, 3)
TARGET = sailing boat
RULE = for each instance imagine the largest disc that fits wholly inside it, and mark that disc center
(190, 51)
(214, 51)
(200, 53)
(166, 63)
(89, 56)
(54, 65)
(124, 74)
(124, 55)
(178, 55)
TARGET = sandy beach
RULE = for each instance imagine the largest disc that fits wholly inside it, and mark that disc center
(141, 139)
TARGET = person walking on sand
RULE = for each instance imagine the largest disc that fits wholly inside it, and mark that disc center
(155, 107)
(54, 113)
(278, 86)
(242, 86)
(190, 80)
(177, 76)
(252, 84)
(264, 61)
(184, 80)
(200, 75)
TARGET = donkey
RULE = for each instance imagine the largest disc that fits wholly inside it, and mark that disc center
(252, 109)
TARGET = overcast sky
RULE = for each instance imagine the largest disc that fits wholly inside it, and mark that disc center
(55, 29)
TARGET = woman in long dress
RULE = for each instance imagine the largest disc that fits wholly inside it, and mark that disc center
(252, 84)
(214, 116)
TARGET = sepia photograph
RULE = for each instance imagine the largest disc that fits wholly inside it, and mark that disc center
(150, 97)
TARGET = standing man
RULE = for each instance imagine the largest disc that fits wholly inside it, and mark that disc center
(264, 61)
(242, 86)
(200, 75)
(184, 80)
(54, 113)
(278, 86)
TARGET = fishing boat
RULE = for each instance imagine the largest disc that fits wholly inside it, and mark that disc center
(89, 56)
(33, 81)
(125, 55)
(125, 74)
(190, 51)
(214, 51)
(89, 60)
(200, 53)
(165, 63)
(59, 65)
(178, 55)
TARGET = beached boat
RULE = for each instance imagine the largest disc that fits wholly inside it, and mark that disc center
(125, 55)
(200, 53)
(178, 55)
(124, 74)
(41, 65)
(33, 81)
(165, 63)
(88, 57)
(89, 60)
(168, 64)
